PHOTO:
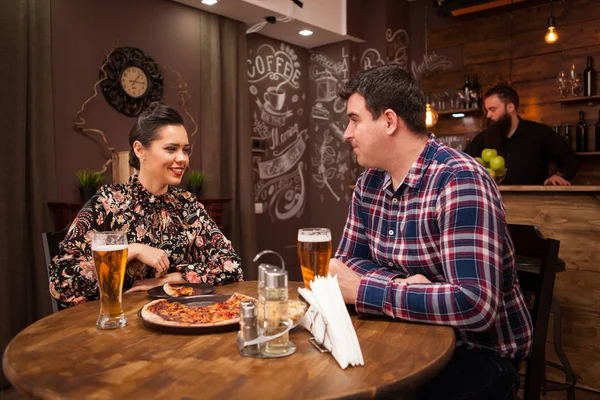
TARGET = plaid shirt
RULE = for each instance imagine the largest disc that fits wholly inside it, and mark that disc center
(445, 221)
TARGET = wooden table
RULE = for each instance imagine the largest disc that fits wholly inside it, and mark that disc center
(64, 355)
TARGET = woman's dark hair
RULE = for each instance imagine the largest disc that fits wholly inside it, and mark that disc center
(146, 126)
(506, 94)
(390, 86)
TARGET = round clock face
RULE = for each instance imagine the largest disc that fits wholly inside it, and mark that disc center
(131, 80)
(134, 81)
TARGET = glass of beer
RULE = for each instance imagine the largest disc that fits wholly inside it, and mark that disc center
(314, 252)
(110, 257)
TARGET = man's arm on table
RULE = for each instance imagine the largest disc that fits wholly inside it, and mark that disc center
(471, 223)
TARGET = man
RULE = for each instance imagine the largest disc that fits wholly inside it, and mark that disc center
(526, 146)
(426, 239)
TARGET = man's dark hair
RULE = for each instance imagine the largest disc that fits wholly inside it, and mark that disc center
(146, 126)
(390, 87)
(506, 94)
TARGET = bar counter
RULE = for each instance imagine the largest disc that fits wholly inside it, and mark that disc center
(570, 214)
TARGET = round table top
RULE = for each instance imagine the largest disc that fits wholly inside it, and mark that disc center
(64, 355)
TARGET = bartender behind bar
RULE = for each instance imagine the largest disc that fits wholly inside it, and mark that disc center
(527, 146)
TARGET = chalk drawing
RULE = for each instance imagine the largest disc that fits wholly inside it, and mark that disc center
(397, 47)
(274, 72)
(275, 65)
(325, 163)
(431, 62)
(327, 115)
(370, 58)
(319, 112)
(285, 195)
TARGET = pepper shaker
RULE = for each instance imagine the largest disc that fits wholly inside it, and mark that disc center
(249, 328)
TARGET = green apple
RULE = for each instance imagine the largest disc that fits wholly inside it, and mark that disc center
(480, 161)
(492, 173)
(488, 154)
(500, 173)
(497, 163)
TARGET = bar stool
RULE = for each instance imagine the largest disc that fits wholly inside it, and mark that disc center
(530, 264)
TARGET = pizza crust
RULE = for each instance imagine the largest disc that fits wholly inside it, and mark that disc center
(174, 291)
(169, 290)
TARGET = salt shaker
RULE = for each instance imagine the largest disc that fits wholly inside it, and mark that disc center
(249, 328)
(276, 312)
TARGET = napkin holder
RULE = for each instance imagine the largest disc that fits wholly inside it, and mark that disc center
(316, 323)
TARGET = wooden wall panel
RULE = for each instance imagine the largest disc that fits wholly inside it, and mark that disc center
(580, 329)
(578, 289)
(580, 212)
(536, 67)
(540, 91)
(467, 30)
(487, 50)
(586, 365)
(549, 113)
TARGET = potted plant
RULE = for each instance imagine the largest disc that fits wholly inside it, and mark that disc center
(195, 181)
(88, 183)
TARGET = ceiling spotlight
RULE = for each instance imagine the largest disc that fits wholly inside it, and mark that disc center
(305, 32)
(298, 3)
(209, 2)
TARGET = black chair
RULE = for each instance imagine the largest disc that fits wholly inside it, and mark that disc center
(529, 242)
(51, 241)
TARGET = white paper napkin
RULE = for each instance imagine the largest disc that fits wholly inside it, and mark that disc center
(329, 322)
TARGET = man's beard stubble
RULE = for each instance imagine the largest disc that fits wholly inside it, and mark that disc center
(496, 133)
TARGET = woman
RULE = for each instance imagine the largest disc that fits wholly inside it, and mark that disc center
(171, 237)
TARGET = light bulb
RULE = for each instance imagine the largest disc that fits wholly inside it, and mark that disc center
(551, 35)
(431, 116)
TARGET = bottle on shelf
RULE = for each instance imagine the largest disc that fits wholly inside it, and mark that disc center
(589, 79)
(466, 93)
(557, 129)
(475, 93)
(568, 136)
(581, 135)
(597, 133)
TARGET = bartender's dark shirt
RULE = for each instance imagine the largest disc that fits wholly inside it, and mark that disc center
(528, 153)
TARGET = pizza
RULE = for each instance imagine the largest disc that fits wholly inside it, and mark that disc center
(172, 313)
(177, 291)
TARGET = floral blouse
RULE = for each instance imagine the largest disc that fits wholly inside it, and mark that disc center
(174, 222)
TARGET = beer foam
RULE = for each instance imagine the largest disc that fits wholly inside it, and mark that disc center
(313, 237)
(109, 247)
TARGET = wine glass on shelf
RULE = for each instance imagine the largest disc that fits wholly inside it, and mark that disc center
(562, 84)
(574, 80)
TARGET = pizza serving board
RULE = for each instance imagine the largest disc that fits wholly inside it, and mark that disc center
(200, 289)
(201, 301)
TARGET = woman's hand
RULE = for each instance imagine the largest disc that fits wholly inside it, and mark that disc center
(151, 256)
(143, 285)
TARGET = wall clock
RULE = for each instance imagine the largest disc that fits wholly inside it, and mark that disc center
(133, 81)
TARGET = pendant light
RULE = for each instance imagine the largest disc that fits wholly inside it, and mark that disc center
(431, 115)
(551, 34)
